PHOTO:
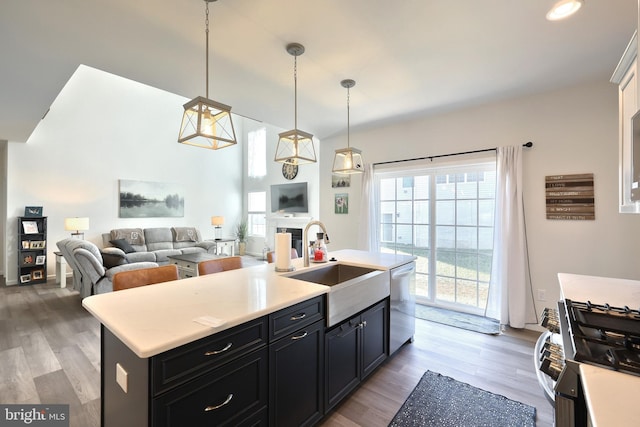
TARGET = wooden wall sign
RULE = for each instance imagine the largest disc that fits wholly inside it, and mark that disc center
(570, 197)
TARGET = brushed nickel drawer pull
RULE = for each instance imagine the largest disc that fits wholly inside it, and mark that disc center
(214, 407)
(299, 337)
(213, 353)
(299, 316)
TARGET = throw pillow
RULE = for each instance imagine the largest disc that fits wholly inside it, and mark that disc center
(122, 244)
(185, 234)
(135, 236)
(112, 260)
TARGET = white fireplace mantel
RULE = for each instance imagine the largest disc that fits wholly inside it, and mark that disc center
(289, 221)
(280, 221)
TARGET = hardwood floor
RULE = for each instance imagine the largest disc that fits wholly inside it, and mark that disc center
(50, 353)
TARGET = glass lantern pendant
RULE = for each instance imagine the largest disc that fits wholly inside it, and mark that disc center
(348, 160)
(207, 123)
(295, 146)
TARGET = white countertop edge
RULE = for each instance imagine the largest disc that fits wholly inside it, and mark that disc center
(201, 331)
(600, 290)
(611, 396)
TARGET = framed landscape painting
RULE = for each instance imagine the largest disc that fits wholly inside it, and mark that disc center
(144, 199)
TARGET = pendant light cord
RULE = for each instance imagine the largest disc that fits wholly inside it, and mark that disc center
(206, 23)
(348, 121)
(295, 92)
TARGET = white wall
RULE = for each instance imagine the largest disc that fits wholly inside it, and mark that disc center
(574, 130)
(102, 128)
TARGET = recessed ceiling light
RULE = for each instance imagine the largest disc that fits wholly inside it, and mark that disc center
(564, 9)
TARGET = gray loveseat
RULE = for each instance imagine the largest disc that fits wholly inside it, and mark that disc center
(128, 245)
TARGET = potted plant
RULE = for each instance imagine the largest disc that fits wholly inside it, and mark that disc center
(241, 235)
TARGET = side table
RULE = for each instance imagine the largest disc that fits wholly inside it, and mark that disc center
(188, 263)
(225, 247)
(61, 270)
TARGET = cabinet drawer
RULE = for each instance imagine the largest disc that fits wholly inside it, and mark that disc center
(298, 316)
(234, 395)
(174, 367)
(183, 264)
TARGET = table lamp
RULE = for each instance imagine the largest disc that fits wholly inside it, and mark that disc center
(76, 224)
(217, 222)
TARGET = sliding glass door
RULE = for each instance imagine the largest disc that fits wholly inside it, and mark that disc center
(443, 216)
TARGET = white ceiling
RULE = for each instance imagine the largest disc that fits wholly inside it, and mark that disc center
(408, 57)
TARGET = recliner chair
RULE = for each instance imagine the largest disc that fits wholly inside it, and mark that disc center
(86, 258)
(77, 277)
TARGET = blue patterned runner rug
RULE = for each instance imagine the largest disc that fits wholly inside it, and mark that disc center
(441, 401)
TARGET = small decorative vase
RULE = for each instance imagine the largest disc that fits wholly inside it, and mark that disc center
(242, 247)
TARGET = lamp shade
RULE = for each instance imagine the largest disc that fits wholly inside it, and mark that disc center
(76, 224)
(217, 220)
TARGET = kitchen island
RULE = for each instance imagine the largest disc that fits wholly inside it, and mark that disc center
(155, 340)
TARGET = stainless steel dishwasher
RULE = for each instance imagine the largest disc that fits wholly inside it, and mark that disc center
(403, 305)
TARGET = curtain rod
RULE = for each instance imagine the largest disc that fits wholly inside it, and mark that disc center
(528, 145)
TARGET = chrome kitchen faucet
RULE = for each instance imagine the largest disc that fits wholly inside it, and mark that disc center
(305, 250)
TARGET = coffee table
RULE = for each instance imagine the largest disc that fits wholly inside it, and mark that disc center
(188, 263)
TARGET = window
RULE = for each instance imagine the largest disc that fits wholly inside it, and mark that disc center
(256, 217)
(257, 153)
(444, 216)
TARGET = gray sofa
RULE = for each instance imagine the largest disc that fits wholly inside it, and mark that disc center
(128, 245)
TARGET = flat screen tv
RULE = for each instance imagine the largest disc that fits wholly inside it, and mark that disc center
(289, 197)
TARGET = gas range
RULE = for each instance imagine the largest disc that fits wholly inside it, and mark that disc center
(604, 335)
(584, 333)
(596, 324)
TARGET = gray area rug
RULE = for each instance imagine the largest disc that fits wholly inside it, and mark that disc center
(442, 401)
(470, 322)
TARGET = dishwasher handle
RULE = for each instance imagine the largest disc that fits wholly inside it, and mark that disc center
(399, 272)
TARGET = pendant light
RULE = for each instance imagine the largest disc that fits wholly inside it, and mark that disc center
(348, 160)
(207, 123)
(564, 9)
(295, 146)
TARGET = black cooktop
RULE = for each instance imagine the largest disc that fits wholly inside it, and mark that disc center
(605, 335)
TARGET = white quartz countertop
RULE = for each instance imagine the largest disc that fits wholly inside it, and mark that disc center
(612, 397)
(380, 261)
(153, 319)
(600, 290)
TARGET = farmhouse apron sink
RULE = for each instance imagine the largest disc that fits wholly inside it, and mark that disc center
(352, 288)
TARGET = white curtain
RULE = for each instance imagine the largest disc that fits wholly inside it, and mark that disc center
(509, 292)
(368, 225)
